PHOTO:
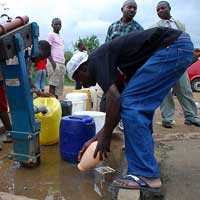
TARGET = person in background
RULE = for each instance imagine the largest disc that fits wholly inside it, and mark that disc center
(40, 74)
(182, 88)
(126, 24)
(4, 116)
(56, 61)
(152, 60)
(44, 52)
(81, 48)
(196, 55)
(119, 28)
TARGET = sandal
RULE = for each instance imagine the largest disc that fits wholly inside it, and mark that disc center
(142, 185)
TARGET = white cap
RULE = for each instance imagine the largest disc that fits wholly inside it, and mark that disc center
(74, 63)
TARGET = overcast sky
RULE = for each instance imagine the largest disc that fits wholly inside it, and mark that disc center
(81, 18)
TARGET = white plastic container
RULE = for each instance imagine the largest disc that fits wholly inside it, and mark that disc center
(79, 101)
(99, 118)
(96, 94)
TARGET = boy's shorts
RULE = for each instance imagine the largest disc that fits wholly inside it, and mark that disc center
(56, 77)
(3, 99)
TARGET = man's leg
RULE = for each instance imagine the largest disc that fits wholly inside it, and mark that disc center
(60, 76)
(6, 122)
(143, 94)
(4, 111)
(52, 90)
(185, 96)
(52, 78)
(167, 109)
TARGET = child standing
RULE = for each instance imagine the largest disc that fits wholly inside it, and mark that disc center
(40, 74)
(56, 62)
(44, 52)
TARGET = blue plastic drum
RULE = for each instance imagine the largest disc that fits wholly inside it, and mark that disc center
(75, 130)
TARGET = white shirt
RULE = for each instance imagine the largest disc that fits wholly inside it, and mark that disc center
(170, 23)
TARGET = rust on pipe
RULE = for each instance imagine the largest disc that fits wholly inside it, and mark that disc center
(9, 26)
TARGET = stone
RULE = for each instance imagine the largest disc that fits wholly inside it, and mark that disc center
(8, 196)
(125, 194)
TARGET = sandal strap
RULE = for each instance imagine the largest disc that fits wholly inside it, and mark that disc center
(136, 179)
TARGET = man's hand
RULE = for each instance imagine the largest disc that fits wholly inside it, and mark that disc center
(53, 65)
(38, 93)
(112, 118)
(44, 94)
(103, 145)
(52, 62)
(85, 146)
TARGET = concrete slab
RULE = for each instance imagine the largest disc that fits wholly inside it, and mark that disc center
(7, 196)
(128, 194)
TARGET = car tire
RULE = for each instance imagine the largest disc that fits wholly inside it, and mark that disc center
(196, 85)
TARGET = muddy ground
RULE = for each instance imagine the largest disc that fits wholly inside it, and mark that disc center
(177, 150)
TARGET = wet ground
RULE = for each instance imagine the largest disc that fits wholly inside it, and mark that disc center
(55, 179)
(177, 150)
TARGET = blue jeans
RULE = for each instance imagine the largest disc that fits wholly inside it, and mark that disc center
(143, 94)
(40, 76)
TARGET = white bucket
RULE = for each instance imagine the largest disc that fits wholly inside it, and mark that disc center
(99, 118)
(78, 100)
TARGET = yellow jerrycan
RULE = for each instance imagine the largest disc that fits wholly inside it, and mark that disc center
(50, 122)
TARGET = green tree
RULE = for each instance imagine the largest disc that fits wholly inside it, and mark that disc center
(91, 42)
(68, 55)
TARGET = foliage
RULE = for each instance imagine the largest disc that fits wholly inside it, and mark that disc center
(68, 55)
(91, 42)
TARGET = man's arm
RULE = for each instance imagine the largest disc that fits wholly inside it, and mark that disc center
(112, 118)
(50, 40)
(112, 109)
(52, 62)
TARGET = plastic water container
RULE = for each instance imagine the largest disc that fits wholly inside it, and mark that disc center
(74, 132)
(78, 101)
(66, 107)
(93, 92)
(50, 122)
(99, 118)
(96, 94)
(89, 100)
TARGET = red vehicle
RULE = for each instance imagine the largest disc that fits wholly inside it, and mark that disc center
(194, 75)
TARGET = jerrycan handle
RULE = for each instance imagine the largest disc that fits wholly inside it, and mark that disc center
(84, 118)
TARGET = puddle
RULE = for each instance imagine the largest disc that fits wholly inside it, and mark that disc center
(56, 179)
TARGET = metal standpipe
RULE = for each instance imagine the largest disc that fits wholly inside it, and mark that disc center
(25, 128)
